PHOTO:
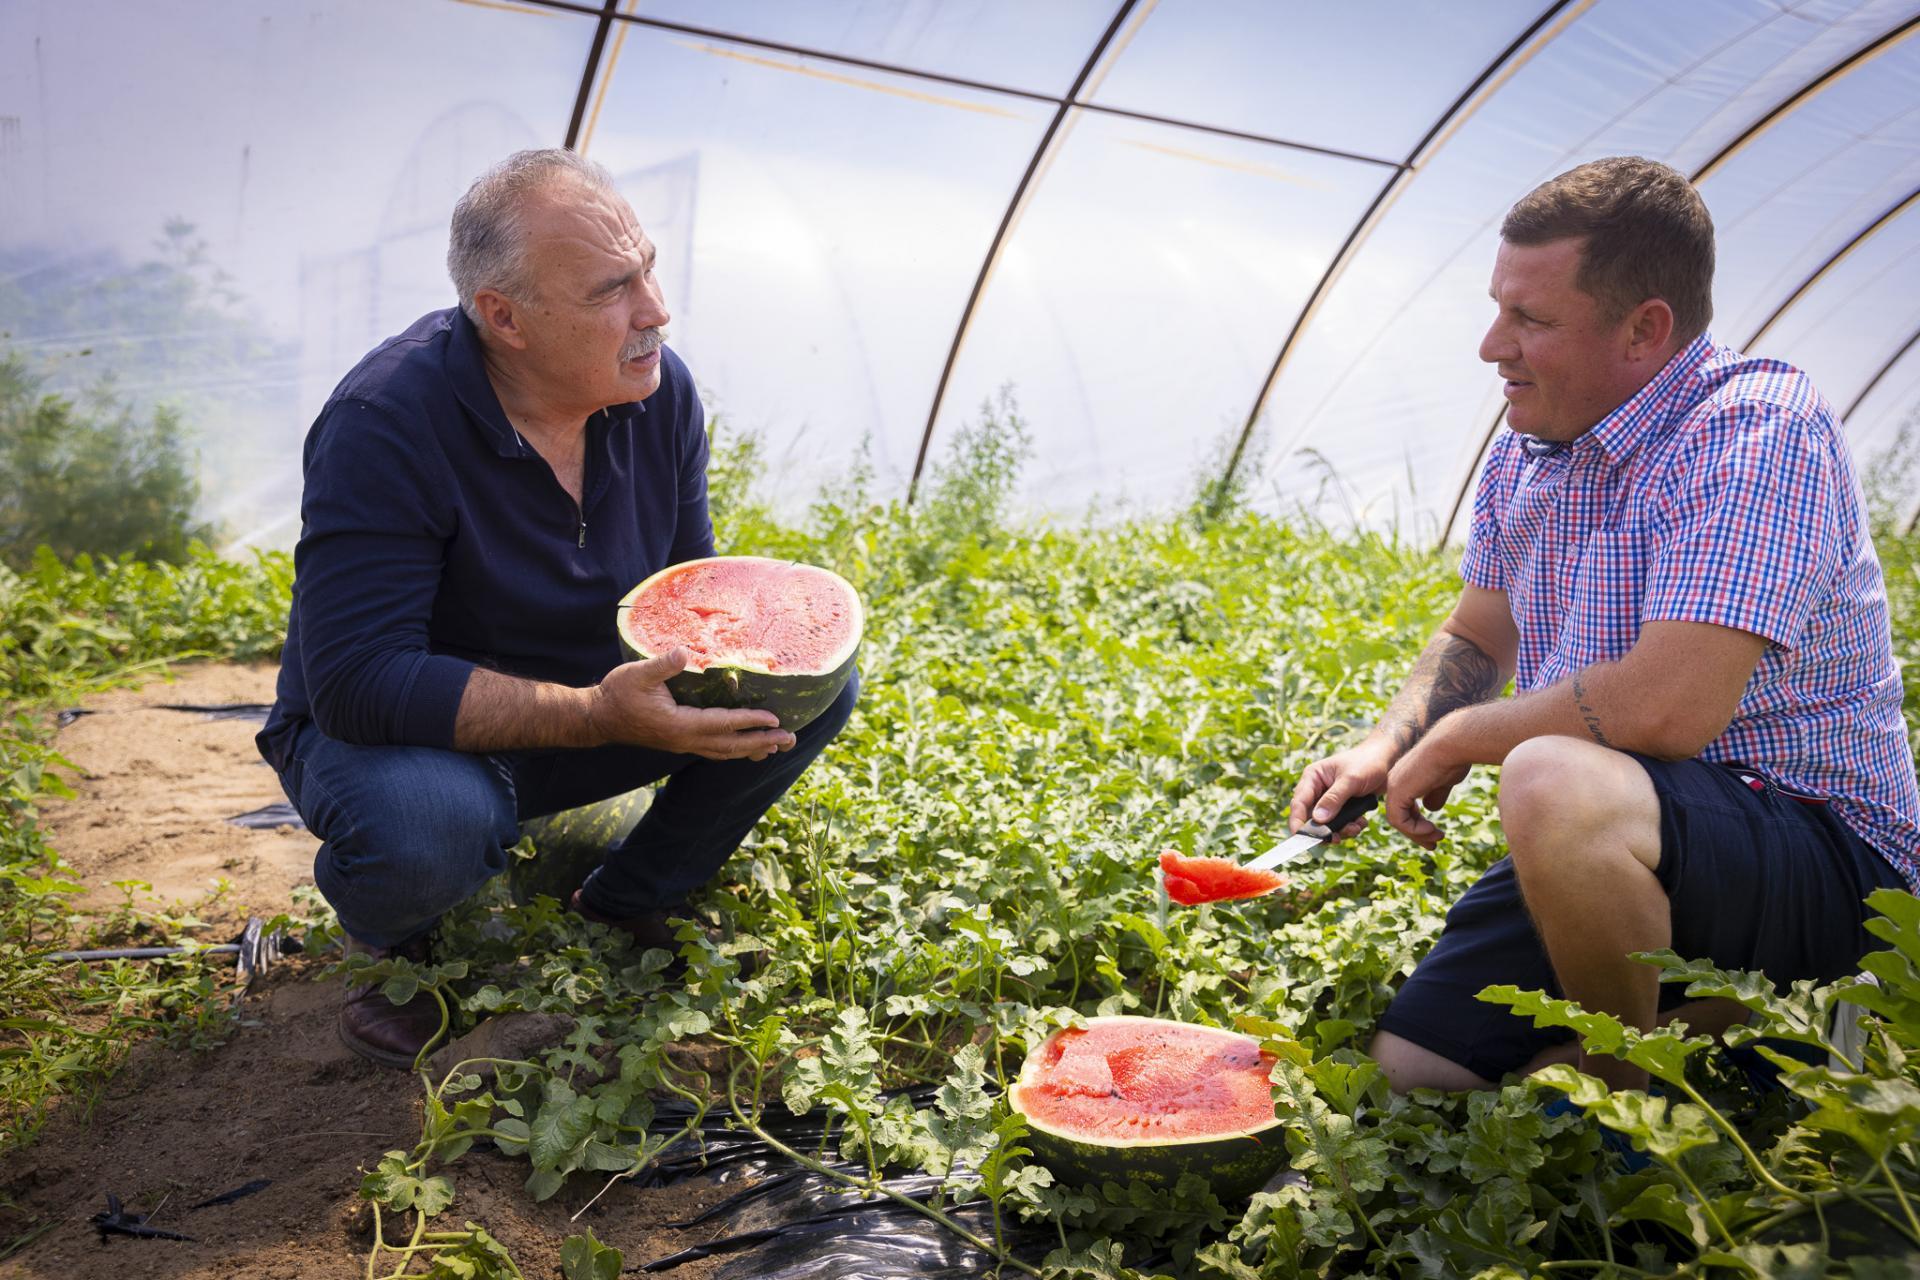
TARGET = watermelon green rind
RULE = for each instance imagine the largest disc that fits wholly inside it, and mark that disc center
(796, 697)
(1235, 1164)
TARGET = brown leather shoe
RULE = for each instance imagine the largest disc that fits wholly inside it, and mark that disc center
(650, 929)
(378, 1029)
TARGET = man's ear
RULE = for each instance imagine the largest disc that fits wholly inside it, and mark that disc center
(500, 318)
(1650, 330)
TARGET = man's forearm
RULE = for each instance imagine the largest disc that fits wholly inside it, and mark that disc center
(505, 713)
(1451, 673)
(1599, 703)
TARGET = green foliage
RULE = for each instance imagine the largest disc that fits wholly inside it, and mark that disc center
(66, 630)
(91, 476)
(970, 868)
(167, 328)
(585, 1258)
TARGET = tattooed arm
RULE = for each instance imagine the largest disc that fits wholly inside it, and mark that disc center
(1467, 662)
(1669, 696)
(1452, 672)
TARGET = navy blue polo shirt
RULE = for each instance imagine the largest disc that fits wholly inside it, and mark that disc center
(433, 540)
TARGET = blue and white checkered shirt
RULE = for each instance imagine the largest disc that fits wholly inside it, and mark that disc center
(1722, 492)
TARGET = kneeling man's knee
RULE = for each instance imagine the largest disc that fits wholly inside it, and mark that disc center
(415, 848)
(1563, 782)
(1559, 794)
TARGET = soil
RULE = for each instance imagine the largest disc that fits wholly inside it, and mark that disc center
(282, 1099)
(157, 787)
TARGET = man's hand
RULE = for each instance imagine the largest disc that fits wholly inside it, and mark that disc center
(1327, 784)
(632, 705)
(1463, 666)
(1423, 779)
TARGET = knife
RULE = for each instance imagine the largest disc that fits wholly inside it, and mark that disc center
(1312, 835)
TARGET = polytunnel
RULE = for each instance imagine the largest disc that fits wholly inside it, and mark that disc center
(1048, 787)
(1184, 235)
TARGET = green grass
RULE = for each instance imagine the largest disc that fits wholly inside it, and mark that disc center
(67, 630)
(970, 867)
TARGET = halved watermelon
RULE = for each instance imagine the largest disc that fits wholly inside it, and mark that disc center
(1192, 881)
(1149, 1098)
(762, 633)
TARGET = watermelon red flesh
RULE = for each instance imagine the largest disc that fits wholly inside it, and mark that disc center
(1152, 1099)
(762, 634)
(748, 612)
(1140, 1078)
(1192, 881)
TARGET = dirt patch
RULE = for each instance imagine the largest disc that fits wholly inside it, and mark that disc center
(156, 790)
(282, 1099)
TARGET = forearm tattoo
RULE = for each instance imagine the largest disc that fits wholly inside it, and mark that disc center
(1451, 673)
(1587, 712)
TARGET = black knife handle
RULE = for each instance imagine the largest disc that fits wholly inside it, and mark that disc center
(1356, 808)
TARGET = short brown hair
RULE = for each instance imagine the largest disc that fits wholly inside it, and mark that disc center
(1647, 235)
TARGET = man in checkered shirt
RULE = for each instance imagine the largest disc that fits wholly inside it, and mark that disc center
(1670, 557)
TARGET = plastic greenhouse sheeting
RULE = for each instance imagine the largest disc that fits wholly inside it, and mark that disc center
(1180, 232)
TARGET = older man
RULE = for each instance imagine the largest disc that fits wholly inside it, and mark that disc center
(480, 491)
(1669, 554)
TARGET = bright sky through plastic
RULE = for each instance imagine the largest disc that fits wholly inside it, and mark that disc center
(821, 223)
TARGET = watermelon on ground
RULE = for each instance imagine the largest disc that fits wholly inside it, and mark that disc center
(1149, 1098)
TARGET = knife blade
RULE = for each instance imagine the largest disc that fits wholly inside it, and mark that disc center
(1312, 835)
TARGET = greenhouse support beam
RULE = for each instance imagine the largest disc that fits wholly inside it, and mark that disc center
(1780, 111)
(589, 73)
(1516, 55)
(1913, 515)
(1885, 369)
(1787, 106)
(1838, 256)
(940, 77)
(1043, 154)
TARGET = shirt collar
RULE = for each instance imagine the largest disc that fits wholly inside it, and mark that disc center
(1618, 434)
(467, 371)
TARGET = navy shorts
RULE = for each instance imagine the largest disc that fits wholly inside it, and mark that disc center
(1756, 877)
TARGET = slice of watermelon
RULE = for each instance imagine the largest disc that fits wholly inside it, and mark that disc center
(757, 632)
(1130, 1097)
(1192, 881)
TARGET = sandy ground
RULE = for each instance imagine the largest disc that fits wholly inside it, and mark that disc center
(156, 790)
(281, 1100)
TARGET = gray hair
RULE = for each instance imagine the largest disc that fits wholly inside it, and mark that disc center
(487, 249)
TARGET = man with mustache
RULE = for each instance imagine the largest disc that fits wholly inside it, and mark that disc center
(479, 492)
(1670, 557)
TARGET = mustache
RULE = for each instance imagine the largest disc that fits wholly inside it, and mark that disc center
(643, 344)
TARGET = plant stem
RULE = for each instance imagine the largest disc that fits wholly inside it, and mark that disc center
(1720, 1122)
(1906, 1205)
(1854, 1195)
(379, 1239)
(1599, 1264)
(446, 1021)
(1705, 1207)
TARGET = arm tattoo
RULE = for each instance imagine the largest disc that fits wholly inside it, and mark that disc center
(1451, 673)
(1465, 676)
(1587, 713)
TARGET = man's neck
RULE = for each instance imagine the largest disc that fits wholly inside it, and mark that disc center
(530, 409)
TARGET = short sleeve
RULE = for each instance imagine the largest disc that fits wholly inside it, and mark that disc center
(1750, 529)
(1482, 564)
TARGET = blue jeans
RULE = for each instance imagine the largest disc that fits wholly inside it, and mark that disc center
(408, 832)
